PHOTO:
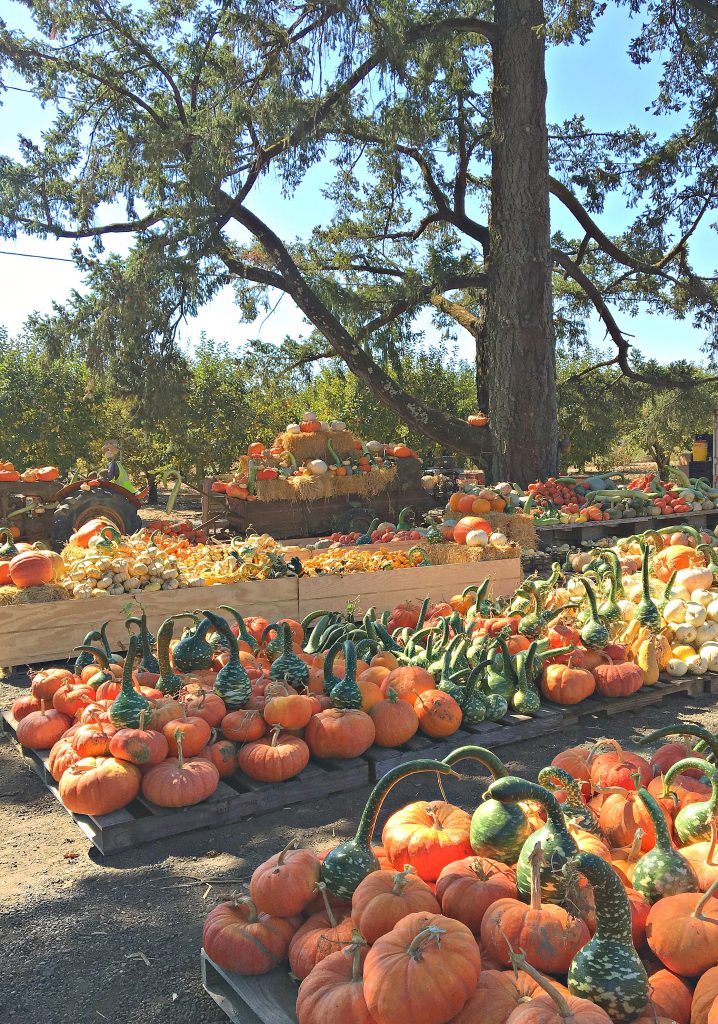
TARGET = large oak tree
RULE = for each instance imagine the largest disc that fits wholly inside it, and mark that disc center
(430, 120)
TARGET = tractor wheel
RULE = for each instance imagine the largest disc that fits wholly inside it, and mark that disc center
(81, 506)
(354, 519)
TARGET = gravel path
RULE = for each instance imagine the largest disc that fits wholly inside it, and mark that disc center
(73, 925)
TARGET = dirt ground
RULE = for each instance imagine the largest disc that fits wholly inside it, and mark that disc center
(75, 928)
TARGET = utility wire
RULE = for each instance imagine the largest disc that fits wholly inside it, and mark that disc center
(34, 256)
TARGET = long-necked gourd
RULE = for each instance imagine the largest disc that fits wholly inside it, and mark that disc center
(593, 634)
(574, 809)
(663, 871)
(350, 862)
(609, 610)
(526, 699)
(707, 738)
(141, 622)
(244, 635)
(130, 707)
(148, 662)
(112, 658)
(85, 657)
(471, 700)
(557, 843)
(232, 683)
(289, 667)
(646, 613)
(501, 675)
(193, 653)
(346, 694)
(169, 682)
(534, 623)
(608, 970)
(498, 829)
(98, 656)
(692, 824)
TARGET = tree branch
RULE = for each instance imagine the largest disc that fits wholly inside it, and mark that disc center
(105, 229)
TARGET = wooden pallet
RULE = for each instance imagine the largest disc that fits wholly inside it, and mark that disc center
(647, 695)
(235, 798)
(510, 730)
(252, 999)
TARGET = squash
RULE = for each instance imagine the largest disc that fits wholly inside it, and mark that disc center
(350, 862)
(682, 931)
(574, 809)
(693, 822)
(334, 989)
(239, 938)
(30, 569)
(428, 836)
(320, 935)
(663, 871)
(129, 705)
(607, 970)
(283, 885)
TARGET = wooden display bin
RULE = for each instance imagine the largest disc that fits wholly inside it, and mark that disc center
(32, 633)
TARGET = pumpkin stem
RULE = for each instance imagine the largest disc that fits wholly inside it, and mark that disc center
(290, 846)
(635, 846)
(322, 887)
(249, 903)
(436, 824)
(391, 695)
(400, 880)
(518, 962)
(698, 912)
(142, 719)
(42, 708)
(423, 938)
(276, 729)
(180, 758)
(536, 860)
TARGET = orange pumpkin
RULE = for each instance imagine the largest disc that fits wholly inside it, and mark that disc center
(428, 836)
(46, 683)
(290, 712)
(41, 729)
(334, 990)
(408, 682)
(340, 733)
(672, 558)
(370, 691)
(239, 938)
(682, 931)
(243, 726)
(223, 755)
(287, 882)
(566, 684)
(274, 758)
(383, 898)
(99, 785)
(439, 714)
(467, 888)
(477, 419)
(468, 524)
(30, 569)
(395, 721)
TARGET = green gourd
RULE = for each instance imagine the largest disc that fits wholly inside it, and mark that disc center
(350, 862)
(708, 740)
(646, 613)
(141, 622)
(546, 586)
(663, 871)
(533, 624)
(385, 639)
(306, 622)
(274, 646)
(471, 700)
(168, 683)
(557, 843)
(608, 970)
(668, 591)
(497, 707)
(692, 824)
(313, 642)
(330, 680)
(96, 654)
(7, 545)
(289, 667)
(86, 657)
(526, 699)
(129, 708)
(193, 653)
(573, 807)
(612, 559)
(498, 829)
(148, 662)
(594, 634)
(447, 683)
(346, 693)
(232, 683)
(608, 610)
(501, 676)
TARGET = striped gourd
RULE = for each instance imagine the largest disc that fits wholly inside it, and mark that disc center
(288, 667)
(350, 862)
(693, 822)
(607, 970)
(573, 808)
(346, 694)
(498, 830)
(556, 841)
(663, 871)
(232, 684)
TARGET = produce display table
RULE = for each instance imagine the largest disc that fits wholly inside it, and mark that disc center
(36, 633)
(574, 533)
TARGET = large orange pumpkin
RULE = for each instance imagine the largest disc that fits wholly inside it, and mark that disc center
(322, 934)
(383, 898)
(139, 746)
(274, 758)
(41, 729)
(177, 782)
(395, 721)
(47, 682)
(439, 714)
(469, 523)
(682, 931)
(424, 970)
(287, 882)
(99, 785)
(677, 556)
(428, 836)
(408, 682)
(334, 991)
(291, 712)
(243, 726)
(467, 888)
(31, 569)
(340, 733)
(498, 994)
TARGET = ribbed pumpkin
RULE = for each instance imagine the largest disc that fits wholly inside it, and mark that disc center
(30, 569)
(321, 935)
(60, 758)
(408, 682)
(439, 714)
(223, 755)
(467, 888)
(241, 939)
(274, 758)
(283, 885)
(334, 991)
(243, 726)
(41, 729)
(45, 684)
(139, 746)
(395, 721)
(428, 835)
(340, 733)
(24, 706)
(177, 782)
(99, 785)
(385, 897)
(682, 931)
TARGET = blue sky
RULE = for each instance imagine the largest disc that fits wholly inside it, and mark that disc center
(596, 80)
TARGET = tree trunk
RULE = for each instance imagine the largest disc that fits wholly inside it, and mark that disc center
(152, 497)
(520, 357)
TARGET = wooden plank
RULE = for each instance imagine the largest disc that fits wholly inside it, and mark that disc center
(386, 589)
(246, 999)
(48, 632)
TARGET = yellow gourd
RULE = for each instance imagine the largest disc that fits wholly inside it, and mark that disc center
(664, 652)
(683, 651)
(648, 661)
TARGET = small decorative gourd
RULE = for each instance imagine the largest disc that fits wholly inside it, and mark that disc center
(244, 635)
(232, 684)
(129, 708)
(350, 862)
(646, 613)
(556, 841)
(168, 683)
(663, 871)
(573, 808)
(594, 634)
(148, 662)
(193, 653)
(346, 693)
(692, 824)
(85, 658)
(289, 667)
(607, 970)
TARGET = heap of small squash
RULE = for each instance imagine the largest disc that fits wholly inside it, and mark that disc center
(587, 898)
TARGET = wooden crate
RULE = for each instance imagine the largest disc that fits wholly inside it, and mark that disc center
(384, 590)
(665, 687)
(32, 633)
(509, 731)
(246, 999)
(236, 798)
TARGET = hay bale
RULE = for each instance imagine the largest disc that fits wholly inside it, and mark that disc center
(518, 527)
(460, 554)
(73, 553)
(45, 594)
(314, 446)
(366, 484)
(280, 489)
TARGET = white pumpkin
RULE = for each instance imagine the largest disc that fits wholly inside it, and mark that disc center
(675, 611)
(684, 634)
(707, 633)
(695, 614)
(676, 668)
(709, 651)
(476, 539)
(309, 417)
(374, 446)
(337, 425)
(679, 592)
(712, 610)
(498, 538)
(703, 597)
(697, 665)
(695, 579)
(293, 428)
(317, 466)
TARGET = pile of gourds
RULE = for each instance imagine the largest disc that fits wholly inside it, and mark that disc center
(590, 896)
(113, 566)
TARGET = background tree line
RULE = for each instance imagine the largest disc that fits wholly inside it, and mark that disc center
(201, 415)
